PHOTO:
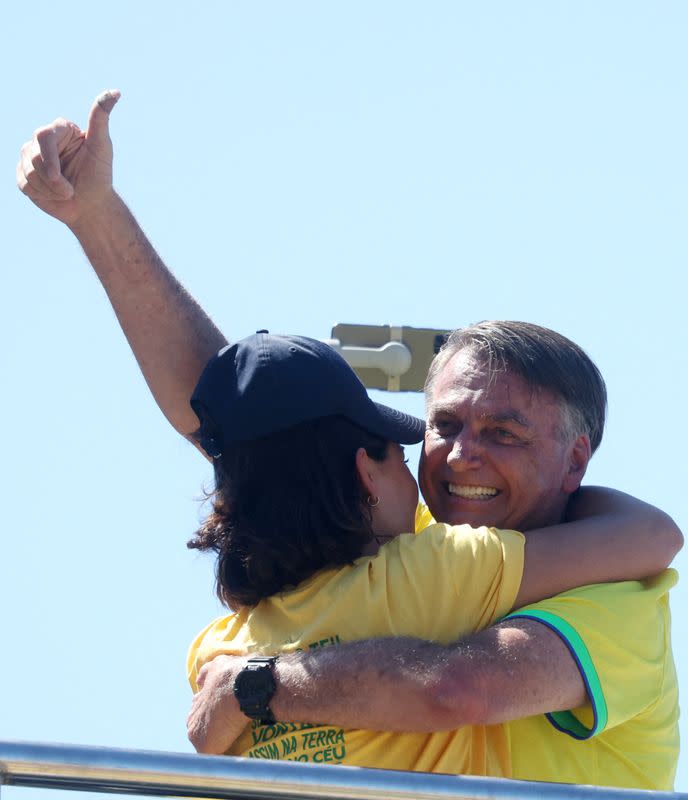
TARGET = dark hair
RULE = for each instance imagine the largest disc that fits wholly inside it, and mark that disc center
(544, 359)
(286, 506)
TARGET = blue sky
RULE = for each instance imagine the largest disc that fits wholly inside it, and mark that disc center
(300, 164)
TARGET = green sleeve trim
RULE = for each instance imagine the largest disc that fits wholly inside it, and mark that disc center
(566, 721)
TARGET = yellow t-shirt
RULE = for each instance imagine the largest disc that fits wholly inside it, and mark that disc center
(423, 518)
(441, 585)
(627, 735)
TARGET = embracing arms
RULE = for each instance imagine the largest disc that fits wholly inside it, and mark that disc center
(512, 670)
(515, 669)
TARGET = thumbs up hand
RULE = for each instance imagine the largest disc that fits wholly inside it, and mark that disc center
(67, 172)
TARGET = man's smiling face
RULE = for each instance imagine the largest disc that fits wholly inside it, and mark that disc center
(496, 451)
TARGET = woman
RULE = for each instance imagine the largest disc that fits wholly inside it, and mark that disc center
(302, 460)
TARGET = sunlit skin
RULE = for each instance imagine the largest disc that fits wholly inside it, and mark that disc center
(392, 483)
(495, 452)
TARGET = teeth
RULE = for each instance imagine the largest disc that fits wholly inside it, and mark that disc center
(472, 492)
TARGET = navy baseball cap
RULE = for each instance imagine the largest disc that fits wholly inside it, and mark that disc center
(266, 383)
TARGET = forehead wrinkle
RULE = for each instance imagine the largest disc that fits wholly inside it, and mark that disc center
(448, 405)
(453, 403)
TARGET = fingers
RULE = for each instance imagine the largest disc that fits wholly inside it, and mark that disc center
(32, 184)
(47, 148)
(39, 171)
(98, 119)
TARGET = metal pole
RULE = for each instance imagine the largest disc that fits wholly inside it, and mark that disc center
(139, 772)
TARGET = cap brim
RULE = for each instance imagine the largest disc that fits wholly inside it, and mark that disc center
(400, 427)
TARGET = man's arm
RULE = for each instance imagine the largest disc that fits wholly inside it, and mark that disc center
(515, 669)
(67, 173)
(608, 536)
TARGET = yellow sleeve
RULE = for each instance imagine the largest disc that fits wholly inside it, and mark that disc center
(618, 634)
(452, 580)
(193, 661)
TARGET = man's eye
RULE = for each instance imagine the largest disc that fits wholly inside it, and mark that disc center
(444, 426)
(504, 434)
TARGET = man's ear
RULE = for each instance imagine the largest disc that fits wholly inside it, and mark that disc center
(365, 468)
(579, 456)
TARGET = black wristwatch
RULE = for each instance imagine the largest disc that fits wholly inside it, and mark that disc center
(254, 687)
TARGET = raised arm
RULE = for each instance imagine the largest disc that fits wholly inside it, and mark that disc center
(67, 173)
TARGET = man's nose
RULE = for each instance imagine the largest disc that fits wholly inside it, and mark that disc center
(466, 452)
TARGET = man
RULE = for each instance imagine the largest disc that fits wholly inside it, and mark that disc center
(508, 442)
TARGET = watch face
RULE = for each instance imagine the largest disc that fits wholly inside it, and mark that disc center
(254, 687)
(255, 681)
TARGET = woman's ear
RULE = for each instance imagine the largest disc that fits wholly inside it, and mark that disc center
(365, 468)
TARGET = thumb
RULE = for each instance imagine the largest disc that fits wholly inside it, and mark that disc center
(99, 117)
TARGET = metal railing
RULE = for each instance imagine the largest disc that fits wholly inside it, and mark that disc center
(138, 772)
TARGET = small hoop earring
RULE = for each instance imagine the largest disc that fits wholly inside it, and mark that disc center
(372, 502)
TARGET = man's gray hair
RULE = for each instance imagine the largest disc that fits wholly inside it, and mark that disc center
(545, 359)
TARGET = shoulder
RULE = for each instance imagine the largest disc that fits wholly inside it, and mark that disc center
(460, 538)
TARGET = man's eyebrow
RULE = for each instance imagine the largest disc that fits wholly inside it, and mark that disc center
(508, 416)
(442, 408)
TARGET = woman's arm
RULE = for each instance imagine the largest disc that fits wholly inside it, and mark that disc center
(608, 536)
